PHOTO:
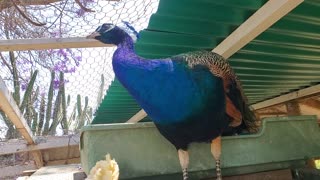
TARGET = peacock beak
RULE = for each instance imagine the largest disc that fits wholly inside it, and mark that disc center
(93, 35)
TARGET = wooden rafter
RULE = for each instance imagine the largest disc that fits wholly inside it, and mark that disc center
(137, 117)
(303, 93)
(262, 19)
(49, 43)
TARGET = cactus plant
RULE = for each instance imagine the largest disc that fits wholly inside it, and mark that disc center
(16, 83)
(55, 115)
(34, 122)
(27, 94)
(64, 122)
(82, 113)
(41, 115)
(49, 105)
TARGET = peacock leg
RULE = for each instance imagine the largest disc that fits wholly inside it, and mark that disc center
(184, 162)
(216, 152)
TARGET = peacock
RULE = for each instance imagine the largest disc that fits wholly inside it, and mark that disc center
(190, 97)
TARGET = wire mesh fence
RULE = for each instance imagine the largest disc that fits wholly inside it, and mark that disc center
(58, 90)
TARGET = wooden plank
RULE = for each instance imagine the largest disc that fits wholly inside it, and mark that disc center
(28, 172)
(10, 108)
(261, 20)
(303, 93)
(49, 43)
(137, 117)
(37, 157)
(57, 172)
(18, 146)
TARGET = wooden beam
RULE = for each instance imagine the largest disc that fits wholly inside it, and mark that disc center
(59, 172)
(49, 142)
(49, 43)
(137, 117)
(303, 93)
(10, 108)
(261, 20)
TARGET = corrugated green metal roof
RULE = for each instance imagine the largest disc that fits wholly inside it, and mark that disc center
(284, 58)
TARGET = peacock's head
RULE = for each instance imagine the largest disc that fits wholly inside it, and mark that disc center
(111, 34)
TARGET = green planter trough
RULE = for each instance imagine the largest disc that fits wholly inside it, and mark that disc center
(142, 153)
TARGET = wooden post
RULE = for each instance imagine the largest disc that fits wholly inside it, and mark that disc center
(37, 156)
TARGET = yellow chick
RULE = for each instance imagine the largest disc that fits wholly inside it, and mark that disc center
(105, 170)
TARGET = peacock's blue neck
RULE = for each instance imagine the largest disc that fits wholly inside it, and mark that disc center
(124, 58)
(126, 43)
(127, 65)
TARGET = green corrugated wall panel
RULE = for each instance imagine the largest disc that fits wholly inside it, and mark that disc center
(117, 106)
(284, 58)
